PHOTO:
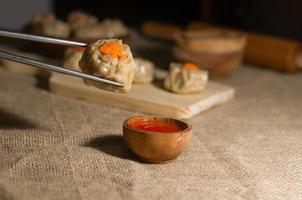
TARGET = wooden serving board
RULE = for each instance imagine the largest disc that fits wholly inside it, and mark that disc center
(23, 68)
(146, 98)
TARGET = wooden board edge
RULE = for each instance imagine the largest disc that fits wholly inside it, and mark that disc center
(24, 69)
(55, 87)
(210, 103)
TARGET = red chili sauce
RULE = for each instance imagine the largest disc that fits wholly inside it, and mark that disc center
(153, 125)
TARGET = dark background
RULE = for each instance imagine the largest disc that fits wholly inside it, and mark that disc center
(135, 12)
(275, 17)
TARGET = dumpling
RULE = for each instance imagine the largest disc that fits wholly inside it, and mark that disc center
(108, 28)
(186, 78)
(49, 25)
(90, 32)
(72, 57)
(144, 71)
(78, 19)
(109, 59)
(114, 28)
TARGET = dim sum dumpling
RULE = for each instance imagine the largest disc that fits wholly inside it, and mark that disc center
(114, 28)
(49, 25)
(144, 71)
(108, 28)
(185, 78)
(72, 57)
(109, 59)
(78, 19)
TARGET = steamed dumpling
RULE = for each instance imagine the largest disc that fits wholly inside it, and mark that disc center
(109, 59)
(186, 78)
(49, 25)
(144, 71)
(108, 28)
(78, 19)
(72, 57)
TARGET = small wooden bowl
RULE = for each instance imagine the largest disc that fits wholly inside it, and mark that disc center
(218, 65)
(156, 147)
(218, 51)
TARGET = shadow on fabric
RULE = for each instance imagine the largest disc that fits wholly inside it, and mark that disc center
(4, 195)
(9, 120)
(112, 145)
(42, 82)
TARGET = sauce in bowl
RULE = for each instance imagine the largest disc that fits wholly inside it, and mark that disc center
(154, 125)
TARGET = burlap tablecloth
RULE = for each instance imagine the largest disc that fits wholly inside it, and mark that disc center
(53, 147)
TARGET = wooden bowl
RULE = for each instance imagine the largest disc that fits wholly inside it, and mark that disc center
(218, 51)
(218, 65)
(145, 136)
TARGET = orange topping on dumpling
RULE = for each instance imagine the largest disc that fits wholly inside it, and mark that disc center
(114, 50)
(191, 67)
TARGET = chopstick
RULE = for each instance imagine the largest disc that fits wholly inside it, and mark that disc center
(38, 38)
(42, 65)
(46, 66)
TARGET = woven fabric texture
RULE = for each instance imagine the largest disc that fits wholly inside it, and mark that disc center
(53, 147)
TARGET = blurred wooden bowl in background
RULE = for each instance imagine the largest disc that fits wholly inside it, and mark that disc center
(218, 51)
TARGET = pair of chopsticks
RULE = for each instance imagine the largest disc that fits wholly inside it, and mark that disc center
(46, 66)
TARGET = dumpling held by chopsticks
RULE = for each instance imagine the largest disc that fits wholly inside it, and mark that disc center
(109, 59)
